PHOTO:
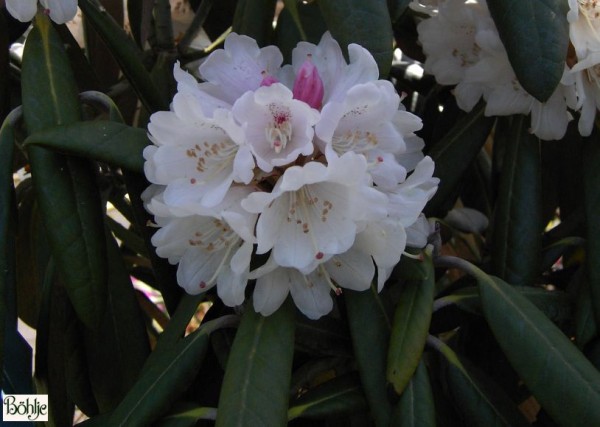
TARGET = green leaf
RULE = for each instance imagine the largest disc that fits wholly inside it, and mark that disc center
(480, 402)
(517, 224)
(7, 226)
(56, 330)
(366, 23)
(165, 377)
(370, 328)
(140, 15)
(175, 330)
(397, 8)
(340, 396)
(325, 337)
(111, 142)
(536, 36)
(287, 34)
(118, 349)
(126, 53)
(591, 185)
(410, 327)
(188, 417)
(584, 318)
(563, 381)
(254, 18)
(292, 8)
(17, 370)
(66, 188)
(453, 154)
(259, 369)
(416, 407)
(556, 305)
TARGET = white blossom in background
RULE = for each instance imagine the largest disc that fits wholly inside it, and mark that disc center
(584, 24)
(463, 48)
(60, 11)
(309, 166)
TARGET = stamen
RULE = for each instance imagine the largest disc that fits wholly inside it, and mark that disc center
(418, 257)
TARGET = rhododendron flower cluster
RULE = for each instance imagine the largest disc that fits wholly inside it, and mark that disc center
(463, 48)
(307, 164)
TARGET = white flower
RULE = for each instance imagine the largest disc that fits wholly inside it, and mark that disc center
(240, 67)
(337, 75)
(366, 122)
(195, 156)
(210, 250)
(408, 199)
(584, 26)
(276, 127)
(585, 75)
(60, 11)
(313, 210)
(463, 48)
(311, 291)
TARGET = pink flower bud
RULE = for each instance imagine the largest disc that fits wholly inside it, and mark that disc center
(268, 79)
(308, 86)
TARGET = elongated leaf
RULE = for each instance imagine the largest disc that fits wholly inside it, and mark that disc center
(478, 404)
(65, 187)
(416, 407)
(397, 8)
(56, 326)
(17, 370)
(584, 318)
(126, 53)
(591, 157)
(181, 317)
(118, 349)
(287, 34)
(536, 36)
(292, 7)
(410, 327)
(340, 396)
(370, 328)
(165, 377)
(188, 417)
(325, 336)
(140, 15)
(313, 372)
(259, 370)
(114, 143)
(366, 23)
(254, 18)
(453, 154)
(563, 381)
(7, 237)
(517, 224)
(556, 305)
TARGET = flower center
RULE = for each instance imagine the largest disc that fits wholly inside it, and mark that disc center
(589, 8)
(279, 130)
(212, 157)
